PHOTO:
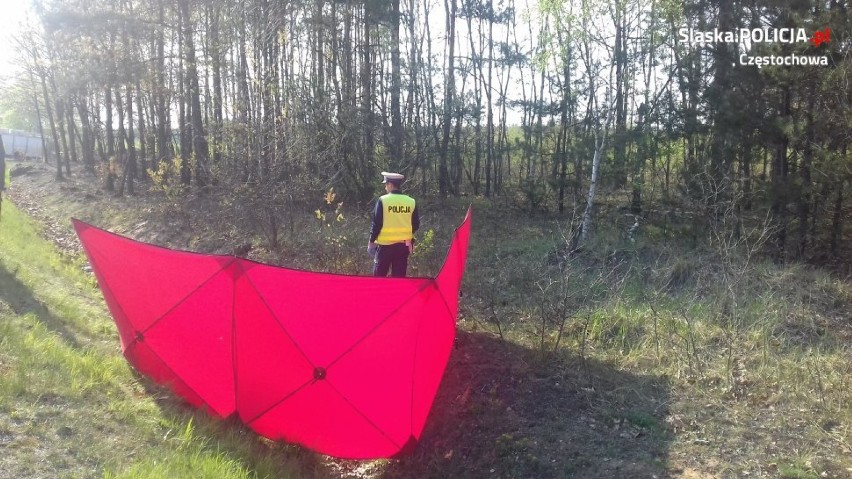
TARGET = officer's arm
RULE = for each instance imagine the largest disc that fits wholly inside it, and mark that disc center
(378, 221)
(415, 220)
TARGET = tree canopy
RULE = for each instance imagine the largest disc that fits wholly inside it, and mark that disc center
(541, 103)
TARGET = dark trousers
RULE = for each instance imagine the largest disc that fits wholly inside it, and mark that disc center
(392, 257)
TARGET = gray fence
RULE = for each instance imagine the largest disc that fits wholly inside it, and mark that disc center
(21, 144)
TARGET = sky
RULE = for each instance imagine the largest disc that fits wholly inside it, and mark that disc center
(12, 13)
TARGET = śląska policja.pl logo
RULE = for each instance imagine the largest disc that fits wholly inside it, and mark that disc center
(750, 36)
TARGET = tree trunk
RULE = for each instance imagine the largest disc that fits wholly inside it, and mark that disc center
(130, 167)
(779, 180)
(88, 140)
(199, 139)
(564, 133)
(619, 136)
(40, 123)
(120, 162)
(489, 152)
(443, 173)
(54, 133)
(367, 104)
(72, 139)
(806, 196)
(397, 148)
(837, 216)
(143, 136)
(183, 118)
(600, 142)
(216, 66)
(165, 149)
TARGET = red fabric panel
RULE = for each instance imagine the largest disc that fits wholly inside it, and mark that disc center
(384, 395)
(432, 352)
(148, 363)
(270, 367)
(145, 280)
(126, 332)
(326, 314)
(346, 365)
(195, 339)
(178, 305)
(450, 278)
(315, 417)
(437, 334)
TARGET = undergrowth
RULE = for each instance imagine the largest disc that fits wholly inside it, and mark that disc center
(756, 354)
(761, 348)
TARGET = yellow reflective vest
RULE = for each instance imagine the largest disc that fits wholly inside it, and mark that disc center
(396, 219)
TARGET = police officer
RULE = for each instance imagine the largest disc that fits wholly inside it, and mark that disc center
(395, 219)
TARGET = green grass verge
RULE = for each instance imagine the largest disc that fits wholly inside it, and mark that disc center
(70, 406)
(758, 354)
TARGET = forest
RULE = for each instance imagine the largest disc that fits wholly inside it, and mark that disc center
(543, 105)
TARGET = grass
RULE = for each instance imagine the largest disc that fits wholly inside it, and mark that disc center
(758, 354)
(636, 357)
(69, 404)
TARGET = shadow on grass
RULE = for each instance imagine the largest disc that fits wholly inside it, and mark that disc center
(500, 412)
(19, 297)
(234, 442)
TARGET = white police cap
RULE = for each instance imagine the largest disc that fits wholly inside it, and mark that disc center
(395, 178)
